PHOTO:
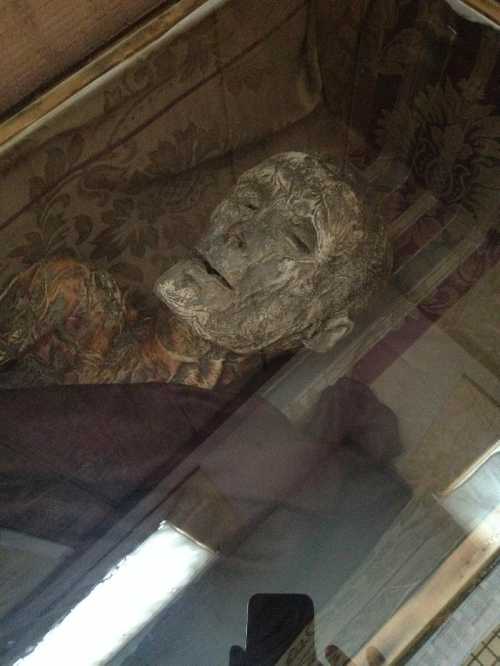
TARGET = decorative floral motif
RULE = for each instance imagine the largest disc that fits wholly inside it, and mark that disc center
(127, 227)
(199, 144)
(451, 140)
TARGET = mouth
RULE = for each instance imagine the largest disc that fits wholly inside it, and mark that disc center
(211, 270)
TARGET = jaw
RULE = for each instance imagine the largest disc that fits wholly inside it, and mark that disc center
(244, 331)
(252, 316)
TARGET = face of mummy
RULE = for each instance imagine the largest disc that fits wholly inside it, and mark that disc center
(271, 271)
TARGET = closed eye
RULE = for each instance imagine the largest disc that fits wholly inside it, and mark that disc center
(251, 205)
(301, 241)
(250, 199)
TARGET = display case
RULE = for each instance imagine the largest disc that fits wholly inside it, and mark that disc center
(365, 477)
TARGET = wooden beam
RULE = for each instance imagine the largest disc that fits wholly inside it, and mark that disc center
(427, 608)
(138, 38)
(490, 8)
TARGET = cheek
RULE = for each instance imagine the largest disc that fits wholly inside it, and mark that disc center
(278, 317)
(277, 299)
(285, 277)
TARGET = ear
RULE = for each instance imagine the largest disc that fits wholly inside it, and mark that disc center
(331, 332)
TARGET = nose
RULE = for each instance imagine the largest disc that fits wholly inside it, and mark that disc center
(236, 238)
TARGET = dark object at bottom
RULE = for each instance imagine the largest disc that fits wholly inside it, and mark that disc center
(274, 623)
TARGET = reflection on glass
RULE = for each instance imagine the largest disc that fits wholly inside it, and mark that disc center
(129, 596)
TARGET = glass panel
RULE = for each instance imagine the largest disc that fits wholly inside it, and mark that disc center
(250, 315)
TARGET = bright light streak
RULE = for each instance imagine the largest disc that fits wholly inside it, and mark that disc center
(129, 596)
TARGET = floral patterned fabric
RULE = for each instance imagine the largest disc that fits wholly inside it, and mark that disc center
(421, 84)
(127, 174)
(121, 176)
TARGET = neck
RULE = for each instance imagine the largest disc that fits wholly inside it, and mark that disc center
(200, 362)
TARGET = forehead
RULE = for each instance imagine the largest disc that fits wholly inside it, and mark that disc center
(298, 176)
(296, 185)
(307, 192)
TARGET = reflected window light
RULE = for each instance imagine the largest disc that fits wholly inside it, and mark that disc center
(128, 597)
(475, 496)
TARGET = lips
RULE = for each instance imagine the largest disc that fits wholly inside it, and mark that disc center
(211, 270)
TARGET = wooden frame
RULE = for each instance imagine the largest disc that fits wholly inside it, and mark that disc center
(134, 41)
(430, 605)
(490, 8)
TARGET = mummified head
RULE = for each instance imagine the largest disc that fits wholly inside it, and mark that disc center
(291, 255)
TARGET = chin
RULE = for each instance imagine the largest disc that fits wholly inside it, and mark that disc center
(244, 347)
(210, 327)
(227, 342)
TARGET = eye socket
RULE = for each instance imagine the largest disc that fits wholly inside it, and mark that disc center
(250, 200)
(251, 205)
(301, 240)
